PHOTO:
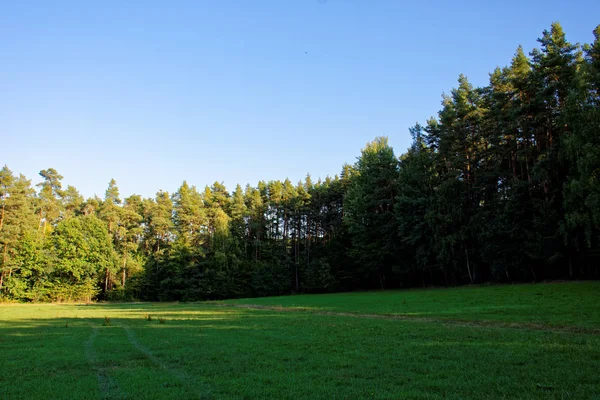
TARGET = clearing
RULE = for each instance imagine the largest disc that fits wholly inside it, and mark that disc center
(516, 341)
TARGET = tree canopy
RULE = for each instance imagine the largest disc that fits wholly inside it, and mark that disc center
(502, 185)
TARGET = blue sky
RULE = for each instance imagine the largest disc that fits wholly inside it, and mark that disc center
(154, 92)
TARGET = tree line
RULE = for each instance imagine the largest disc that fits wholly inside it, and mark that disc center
(503, 185)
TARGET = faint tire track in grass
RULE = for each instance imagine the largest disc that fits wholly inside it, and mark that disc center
(189, 382)
(444, 321)
(108, 387)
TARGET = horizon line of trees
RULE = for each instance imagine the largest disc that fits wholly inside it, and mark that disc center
(503, 185)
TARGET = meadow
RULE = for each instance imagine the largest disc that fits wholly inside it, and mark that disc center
(539, 341)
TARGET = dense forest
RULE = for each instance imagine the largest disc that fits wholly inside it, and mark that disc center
(503, 185)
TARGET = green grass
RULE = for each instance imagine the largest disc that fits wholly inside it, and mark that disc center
(336, 348)
(574, 304)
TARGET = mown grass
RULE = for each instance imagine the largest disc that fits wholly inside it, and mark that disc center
(228, 352)
(572, 304)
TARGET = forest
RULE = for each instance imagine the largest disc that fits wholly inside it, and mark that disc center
(502, 186)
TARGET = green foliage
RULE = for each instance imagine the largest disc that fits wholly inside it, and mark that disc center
(269, 278)
(49, 204)
(503, 185)
(83, 258)
(318, 277)
(417, 180)
(369, 211)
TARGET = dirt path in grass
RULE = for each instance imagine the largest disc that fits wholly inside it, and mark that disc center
(444, 321)
(108, 387)
(185, 379)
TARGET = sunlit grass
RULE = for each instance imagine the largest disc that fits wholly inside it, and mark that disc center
(558, 304)
(224, 352)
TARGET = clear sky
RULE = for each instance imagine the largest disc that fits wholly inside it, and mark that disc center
(154, 92)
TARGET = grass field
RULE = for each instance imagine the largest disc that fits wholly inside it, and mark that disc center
(520, 341)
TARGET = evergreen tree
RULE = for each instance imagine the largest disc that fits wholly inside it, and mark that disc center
(16, 220)
(189, 216)
(503, 185)
(49, 208)
(369, 212)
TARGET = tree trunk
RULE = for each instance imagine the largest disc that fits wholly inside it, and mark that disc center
(570, 266)
(4, 256)
(247, 239)
(297, 279)
(277, 223)
(285, 228)
(124, 273)
(308, 242)
(533, 273)
(468, 265)
(257, 245)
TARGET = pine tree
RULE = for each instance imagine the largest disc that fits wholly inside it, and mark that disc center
(369, 211)
(72, 202)
(16, 219)
(417, 180)
(189, 216)
(130, 232)
(582, 149)
(109, 210)
(50, 206)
